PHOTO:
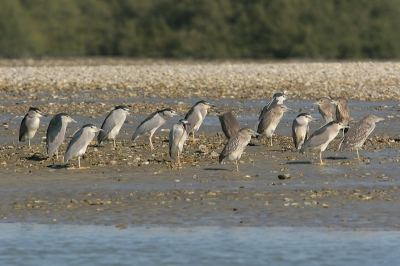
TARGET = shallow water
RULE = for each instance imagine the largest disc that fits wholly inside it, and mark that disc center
(35, 244)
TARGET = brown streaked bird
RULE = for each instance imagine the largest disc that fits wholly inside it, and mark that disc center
(321, 138)
(358, 134)
(270, 120)
(342, 112)
(229, 124)
(327, 109)
(235, 146)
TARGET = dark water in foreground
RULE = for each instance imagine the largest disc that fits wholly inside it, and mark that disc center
(32, 244)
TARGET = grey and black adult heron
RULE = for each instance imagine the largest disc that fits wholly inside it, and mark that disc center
(229, 124)
(342, 112)
(277, 98)
(235, 146)
(56, 132)
(300, 129)
(358, 134)
(321, 138)
(196, 116)
(30, 124)
(270, 120)
(152, 123)
(177, 138)
(79, 142)
(113, 123)
(327, 109)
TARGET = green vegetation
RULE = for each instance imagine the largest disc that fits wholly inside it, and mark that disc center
(264, 29)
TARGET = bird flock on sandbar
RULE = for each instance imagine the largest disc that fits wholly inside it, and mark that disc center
(335, 113)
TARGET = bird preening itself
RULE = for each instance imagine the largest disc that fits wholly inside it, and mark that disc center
(300, 129)
(327, 109)
(79, 142)
(177, 138)
(152, 123)
(196, 116)
(56, 132)
(270, 120)
(321, 138)
(342, 112)
(30, 124)
(235, 146)
(113, 123)
(229, 124)
(358, 133)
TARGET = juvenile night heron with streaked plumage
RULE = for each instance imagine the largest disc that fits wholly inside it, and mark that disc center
(30, 124)
(270, 121)
(177, 138)
(229, 124)
(196, 116)
(152, 123)
(342, 112)
(358, 134)
(56, 132)
(321, 138)
(113, 123)
(327, 109)
(300, 129)
(235, 146)
(277, 98)
(79, 142)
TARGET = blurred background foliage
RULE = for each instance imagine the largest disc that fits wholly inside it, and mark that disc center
(260, 29)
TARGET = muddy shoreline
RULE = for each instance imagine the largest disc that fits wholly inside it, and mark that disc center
(146, 188)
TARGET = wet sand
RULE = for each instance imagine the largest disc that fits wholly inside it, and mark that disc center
(130, 185)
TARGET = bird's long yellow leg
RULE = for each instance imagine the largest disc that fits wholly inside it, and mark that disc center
(151, 143)
(271, 142)
(358, 156)
(115, 145)
(237, 166)
(320, 158)
(179, 157)
(57, 154)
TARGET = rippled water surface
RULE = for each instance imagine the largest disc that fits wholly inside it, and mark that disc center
(31, 244)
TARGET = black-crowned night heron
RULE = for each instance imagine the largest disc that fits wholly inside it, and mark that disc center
(270, 120)
(152, 123)
(30, 125)
(177, 138)
(358, 134)
(278, 98)
(79, 142)
(342, 112)
(229, 123)
(196, 116)
(56, 132)
(321, 138)
(300, 129)
(113, 123)
(327, 109)
(235, 146)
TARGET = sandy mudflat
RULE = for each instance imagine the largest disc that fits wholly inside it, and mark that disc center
(131, 185)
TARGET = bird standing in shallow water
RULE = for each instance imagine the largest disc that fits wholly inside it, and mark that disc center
(79, 142)
(229, 123)
(321, 138)
(56, 132)
(30, 125)
(113, 123)
(327, 109)
(358, 134)
(177, 138)
(152, 123)
(235, 146)
(300, 129)
(196, 116)
(270, 120)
